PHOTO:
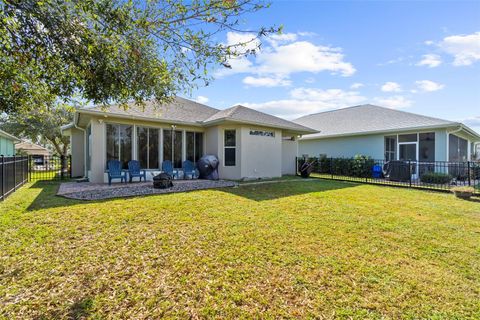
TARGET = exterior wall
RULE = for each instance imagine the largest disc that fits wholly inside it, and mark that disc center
(97, 166)
(370, 145)
(261, 156)
(77, 145)
(7, 147)
(289, 152)
(256, 156)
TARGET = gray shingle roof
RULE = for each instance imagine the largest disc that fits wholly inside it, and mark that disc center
(366, 119)
(186, 111)
(243, 114)
(179, 110)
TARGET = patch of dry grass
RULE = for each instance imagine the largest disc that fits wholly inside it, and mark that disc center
(308, 249)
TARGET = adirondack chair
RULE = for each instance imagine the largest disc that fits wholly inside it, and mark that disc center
(135, 171)
(167, 167)
(188, 169)
(115, 171)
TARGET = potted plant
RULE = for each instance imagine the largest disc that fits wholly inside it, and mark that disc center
(463, 192)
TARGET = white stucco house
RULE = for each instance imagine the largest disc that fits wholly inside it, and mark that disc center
(386, 134)
(248, 143)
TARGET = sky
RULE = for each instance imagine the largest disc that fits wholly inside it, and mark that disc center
(421, 57)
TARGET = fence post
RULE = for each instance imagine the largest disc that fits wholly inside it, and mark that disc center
(3, 177)
(410, 173)
(62, 166)
(14, 172)
(331, 166)
(468, 173)
(69, 164)
(365, 167)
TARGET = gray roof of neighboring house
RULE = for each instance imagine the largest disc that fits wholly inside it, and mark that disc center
(246, 115)
(367, 119)
(9, 136)
(182, 110)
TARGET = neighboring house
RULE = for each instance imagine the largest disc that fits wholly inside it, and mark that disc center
(36, 152)
(384, 133)
(248, 143)
(7, 144)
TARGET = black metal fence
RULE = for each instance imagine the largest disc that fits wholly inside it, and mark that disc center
(436, 175)
(49, 168)
(13, 174)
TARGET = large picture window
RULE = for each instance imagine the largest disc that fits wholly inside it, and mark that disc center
(230, 146)
(172, 147)
(119, 143)
(194, 146)
(147, 147)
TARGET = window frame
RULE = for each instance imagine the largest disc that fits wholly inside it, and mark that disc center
(137, 147)
(229, 147)
(120, 149)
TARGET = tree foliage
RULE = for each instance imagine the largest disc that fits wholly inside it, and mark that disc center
(113, 50)
(41, 125)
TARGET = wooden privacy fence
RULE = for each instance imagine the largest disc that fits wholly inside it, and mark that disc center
(13, 174)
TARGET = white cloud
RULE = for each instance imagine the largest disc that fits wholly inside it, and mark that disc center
(429, 42)
(464, 48)
(391, 87)
(429, 86)
(303, 101)
(266, 82)
(303, 56)
(472, 121)
(202, 99)
(245, 41)
(310, 80)
(286, 56)
(357, 85)
(394, 102)
(430, 60)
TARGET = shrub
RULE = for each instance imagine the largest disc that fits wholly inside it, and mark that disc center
(436, 178)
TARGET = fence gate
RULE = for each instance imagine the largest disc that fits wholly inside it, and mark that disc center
(49, 168)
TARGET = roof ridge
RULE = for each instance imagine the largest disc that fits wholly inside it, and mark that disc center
(339, 109)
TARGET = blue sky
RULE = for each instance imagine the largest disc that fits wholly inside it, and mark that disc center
(421, 57)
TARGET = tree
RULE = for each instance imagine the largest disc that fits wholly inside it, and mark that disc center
(41, 125)
(114, 50)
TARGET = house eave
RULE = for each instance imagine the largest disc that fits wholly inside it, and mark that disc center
(399, 130)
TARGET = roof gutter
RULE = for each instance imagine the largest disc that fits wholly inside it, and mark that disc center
(313, 137)
(226, 119)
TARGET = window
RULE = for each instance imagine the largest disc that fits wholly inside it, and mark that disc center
(457, 148)
(390, 148)
(407, 137)
(172, 147)
(147, 147)
(230, 144)
(426, 146)
(119, 143)
(194, 146)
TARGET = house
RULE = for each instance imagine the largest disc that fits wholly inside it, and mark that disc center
(386, 134)
(36, 152)
(248, 143)
(7, 144)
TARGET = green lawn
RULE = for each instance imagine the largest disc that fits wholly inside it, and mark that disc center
(310, 249)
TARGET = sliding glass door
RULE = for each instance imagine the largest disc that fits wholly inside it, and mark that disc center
(172, 147)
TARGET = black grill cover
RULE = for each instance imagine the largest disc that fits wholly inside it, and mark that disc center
(162, 181)
(208, 167)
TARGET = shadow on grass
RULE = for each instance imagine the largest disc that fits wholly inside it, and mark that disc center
(277, 190)
(47, 198)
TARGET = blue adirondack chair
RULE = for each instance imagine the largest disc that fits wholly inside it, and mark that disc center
(188, 169)
(115, 171)
(167, 167)
(135, 171)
